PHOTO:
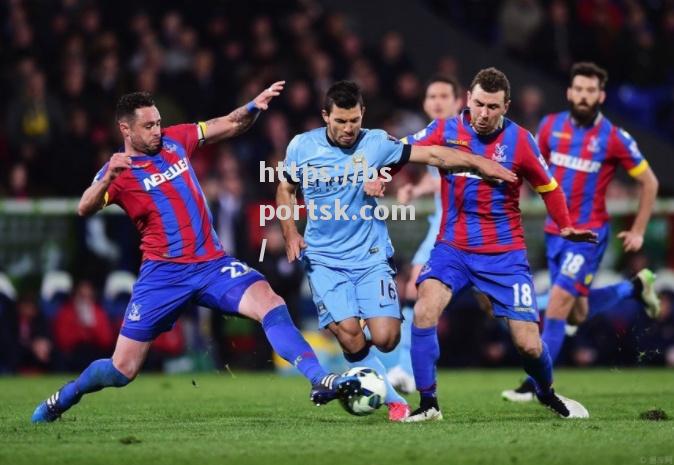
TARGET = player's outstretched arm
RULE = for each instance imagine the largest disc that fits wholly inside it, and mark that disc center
(238, 121)
(448, 158)
(93, 198)
(634, 238)
(555, 203)
(286, 195)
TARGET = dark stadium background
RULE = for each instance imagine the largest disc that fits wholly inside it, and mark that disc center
(64, 64)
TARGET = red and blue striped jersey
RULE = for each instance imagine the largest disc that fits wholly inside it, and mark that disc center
(584, 159)
(162, 196)
(478, 216)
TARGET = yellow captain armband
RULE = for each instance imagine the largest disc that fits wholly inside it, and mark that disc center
(201, 130)
(637, 170)
(551, 186)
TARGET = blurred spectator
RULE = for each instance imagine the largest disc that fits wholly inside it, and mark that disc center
(34, 124)
(34, 351)
(527, 108)
(82, 330)
(228, 210)
(18, 182)
(519, 21)
(284, 277)
(8, 329)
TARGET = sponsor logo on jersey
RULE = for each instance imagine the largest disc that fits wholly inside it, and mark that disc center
(174, 171)
(464, 143)
(524, 309)
(561, 135)
(574, 163)
(466, 174)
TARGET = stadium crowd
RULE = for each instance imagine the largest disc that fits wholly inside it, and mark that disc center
(65, 63)
(631, 39)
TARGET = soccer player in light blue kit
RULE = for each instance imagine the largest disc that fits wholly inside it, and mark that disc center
(346, 250)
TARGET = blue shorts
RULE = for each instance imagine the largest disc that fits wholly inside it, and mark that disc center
(573, 265)
(164, 288)
(341, 293)
(504, 277)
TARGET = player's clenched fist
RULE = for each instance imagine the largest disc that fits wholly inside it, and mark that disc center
(118, 163)
(294, 245)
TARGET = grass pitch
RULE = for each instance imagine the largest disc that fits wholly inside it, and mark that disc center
(266, 419)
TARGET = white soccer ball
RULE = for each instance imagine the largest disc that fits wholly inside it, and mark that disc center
(373, 392)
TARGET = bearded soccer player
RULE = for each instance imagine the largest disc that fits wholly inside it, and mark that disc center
(481, 240)
(584, 149)
(183, 260)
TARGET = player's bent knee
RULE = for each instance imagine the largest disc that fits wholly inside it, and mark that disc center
(129, 368)
(387, 343)
(258, 300)
(530, 349)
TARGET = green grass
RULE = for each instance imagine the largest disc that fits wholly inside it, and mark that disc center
(266, 419)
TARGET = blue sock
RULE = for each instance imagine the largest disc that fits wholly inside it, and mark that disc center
(367, 358)
(553, 336)
(100, 374)
(606, 299)
(289, 343)
(425, 353)
(540, 370)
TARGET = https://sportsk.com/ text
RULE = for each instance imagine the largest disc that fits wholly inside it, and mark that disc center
(312, 176)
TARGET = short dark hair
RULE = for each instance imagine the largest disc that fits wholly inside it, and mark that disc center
(343, 94)
(492, 80)
(589, 69)
(452, 81)
(127, 105)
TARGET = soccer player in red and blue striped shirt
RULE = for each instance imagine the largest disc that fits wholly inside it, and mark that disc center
(584, 149)
(183, 260)
(481, 240)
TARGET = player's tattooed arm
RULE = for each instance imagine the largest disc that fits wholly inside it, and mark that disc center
(94, 198)
(241, 119)
(448, 158)
(286, 195)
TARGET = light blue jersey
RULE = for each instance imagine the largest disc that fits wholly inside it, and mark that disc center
(424, 251)
(331, 178)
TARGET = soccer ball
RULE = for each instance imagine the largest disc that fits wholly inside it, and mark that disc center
(373, 392)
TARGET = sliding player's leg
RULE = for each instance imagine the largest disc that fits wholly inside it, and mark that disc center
(235, 288)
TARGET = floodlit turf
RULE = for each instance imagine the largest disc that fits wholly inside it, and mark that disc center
(267, 419)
